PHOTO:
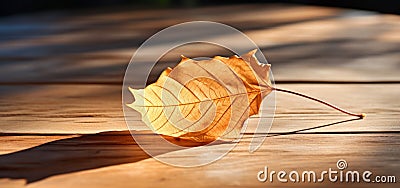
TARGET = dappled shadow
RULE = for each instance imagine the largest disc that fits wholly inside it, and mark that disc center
(80, 153)
(86, 46)
(95, 46)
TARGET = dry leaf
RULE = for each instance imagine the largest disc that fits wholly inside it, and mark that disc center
(204, 100)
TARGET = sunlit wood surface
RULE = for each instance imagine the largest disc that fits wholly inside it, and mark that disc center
(60, 96)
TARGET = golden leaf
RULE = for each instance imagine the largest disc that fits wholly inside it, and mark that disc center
(204, 100)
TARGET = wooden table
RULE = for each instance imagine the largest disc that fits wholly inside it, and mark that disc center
(60, 93)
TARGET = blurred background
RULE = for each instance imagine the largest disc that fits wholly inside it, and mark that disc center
(23, 6)
(92, 41)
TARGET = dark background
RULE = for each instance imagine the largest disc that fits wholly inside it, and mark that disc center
(26, 6)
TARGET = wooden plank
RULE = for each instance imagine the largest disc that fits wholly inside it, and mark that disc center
(309, 44)
(113, 159)
(96, 108)
(11, 144)
(61, 109)
(50, 132)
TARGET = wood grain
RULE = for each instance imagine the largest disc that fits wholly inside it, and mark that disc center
(62, 123)
(304, 135)
(115, 160)
(76, 109)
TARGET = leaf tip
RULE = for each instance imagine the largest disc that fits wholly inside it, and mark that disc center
(252, 52)
(137, 93)
(234, 57)
(133, 91)
(184, 58)
(138, 96)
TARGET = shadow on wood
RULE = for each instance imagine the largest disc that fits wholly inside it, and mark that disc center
(77, 154)
(312, 128)
(302, 131)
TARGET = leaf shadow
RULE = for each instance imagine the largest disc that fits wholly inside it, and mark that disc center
(80, 153)
(312, 128)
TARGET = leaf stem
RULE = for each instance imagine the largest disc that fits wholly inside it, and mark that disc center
(361, 116)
